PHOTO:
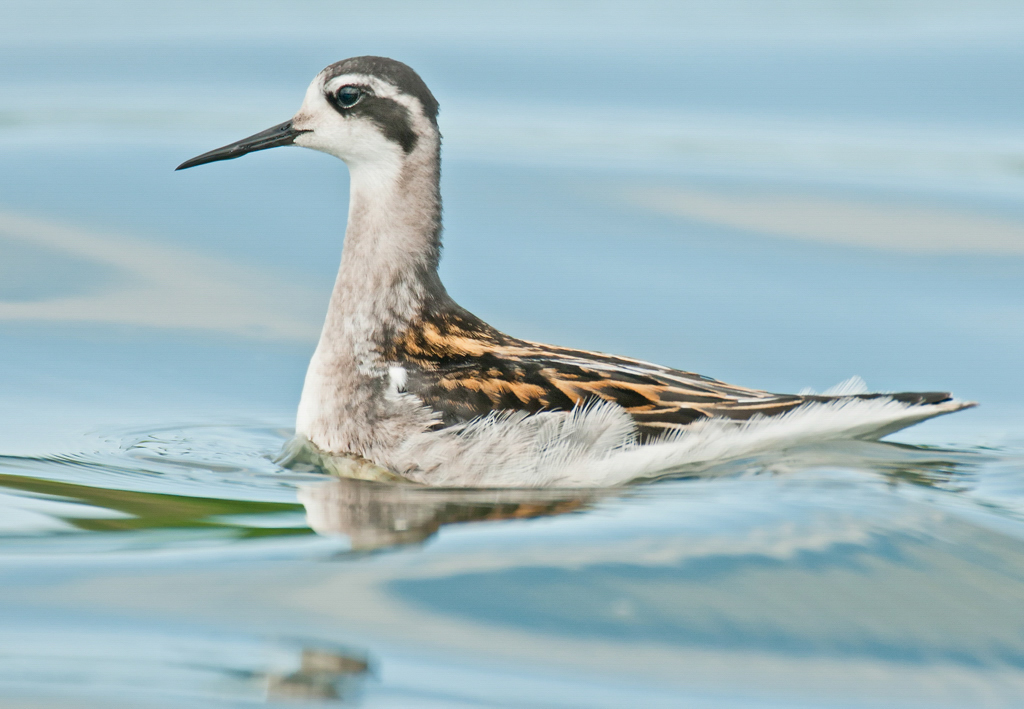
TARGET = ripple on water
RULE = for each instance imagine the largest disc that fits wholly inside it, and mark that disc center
(167, 487)
(225, 480)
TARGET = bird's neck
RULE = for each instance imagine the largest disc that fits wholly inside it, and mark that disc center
(387, 281)
(388, 275)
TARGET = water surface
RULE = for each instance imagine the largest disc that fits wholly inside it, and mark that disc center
(779, 195)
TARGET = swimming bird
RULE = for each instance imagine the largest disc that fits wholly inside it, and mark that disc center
(407, 379)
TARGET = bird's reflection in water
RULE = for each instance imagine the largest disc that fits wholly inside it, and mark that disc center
(379, 515)
(323, 675)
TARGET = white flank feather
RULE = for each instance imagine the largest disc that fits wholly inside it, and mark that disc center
(596, 445)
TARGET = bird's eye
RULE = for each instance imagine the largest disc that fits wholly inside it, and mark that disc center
(348, 96)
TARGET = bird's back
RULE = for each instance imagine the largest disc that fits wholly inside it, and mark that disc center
(463, 369)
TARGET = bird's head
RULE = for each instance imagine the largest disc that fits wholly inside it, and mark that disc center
(363, 110)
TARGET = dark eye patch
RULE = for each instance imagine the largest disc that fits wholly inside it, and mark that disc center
(392, 117)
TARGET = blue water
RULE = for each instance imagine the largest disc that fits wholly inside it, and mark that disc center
(600, 163)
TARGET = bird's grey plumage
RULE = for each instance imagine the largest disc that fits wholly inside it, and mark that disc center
(405, 378)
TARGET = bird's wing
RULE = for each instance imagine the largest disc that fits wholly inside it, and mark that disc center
(463, 369)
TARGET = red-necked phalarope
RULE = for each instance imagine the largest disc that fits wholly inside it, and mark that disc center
(410, 381)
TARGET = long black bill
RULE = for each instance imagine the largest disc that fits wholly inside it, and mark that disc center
(281, 134)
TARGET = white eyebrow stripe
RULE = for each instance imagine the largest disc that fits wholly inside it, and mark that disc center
(379, 87)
